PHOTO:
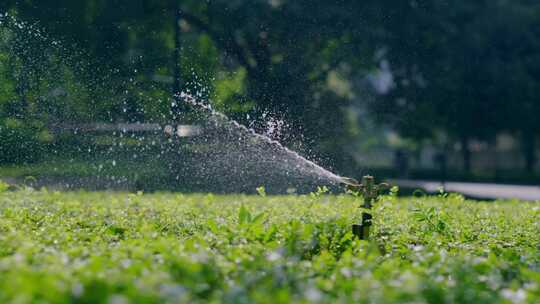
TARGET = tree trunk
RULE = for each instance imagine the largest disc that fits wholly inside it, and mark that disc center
(529, 151)
(466, 153)
(21, 111)
(177, 108)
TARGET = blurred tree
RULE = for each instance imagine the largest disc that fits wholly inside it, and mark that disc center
(459, 69)
(467, 70)
(517, 44)
(287, 50)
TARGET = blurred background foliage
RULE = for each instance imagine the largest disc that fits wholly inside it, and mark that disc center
(346, 76)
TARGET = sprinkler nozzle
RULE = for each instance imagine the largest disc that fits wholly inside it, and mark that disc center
(350, 184)
(347, 181)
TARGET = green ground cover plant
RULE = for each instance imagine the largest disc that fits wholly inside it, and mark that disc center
(100, 247)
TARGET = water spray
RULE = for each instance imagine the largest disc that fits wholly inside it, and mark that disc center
(370, 193)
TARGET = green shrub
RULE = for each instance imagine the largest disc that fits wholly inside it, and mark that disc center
(105, 247)
(20, 142)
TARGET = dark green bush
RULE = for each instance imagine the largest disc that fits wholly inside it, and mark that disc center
(20, 142)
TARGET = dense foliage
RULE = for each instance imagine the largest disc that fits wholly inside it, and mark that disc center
(96, 247)
(459, 71)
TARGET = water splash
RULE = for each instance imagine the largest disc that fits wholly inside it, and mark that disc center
(242, 157)
(226, 157)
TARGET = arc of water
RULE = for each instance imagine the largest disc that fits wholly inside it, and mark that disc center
(314, 167)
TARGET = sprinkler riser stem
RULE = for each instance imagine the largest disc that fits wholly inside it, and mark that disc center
(362, 231)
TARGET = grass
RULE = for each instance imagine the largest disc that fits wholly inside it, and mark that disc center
(80, 247)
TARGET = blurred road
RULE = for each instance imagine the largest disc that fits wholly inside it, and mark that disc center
(476, 190)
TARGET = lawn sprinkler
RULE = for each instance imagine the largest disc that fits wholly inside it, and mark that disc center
(370, 193)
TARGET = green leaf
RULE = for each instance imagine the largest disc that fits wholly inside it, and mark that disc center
(3, 186)
(261, 191)
(244, 216)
